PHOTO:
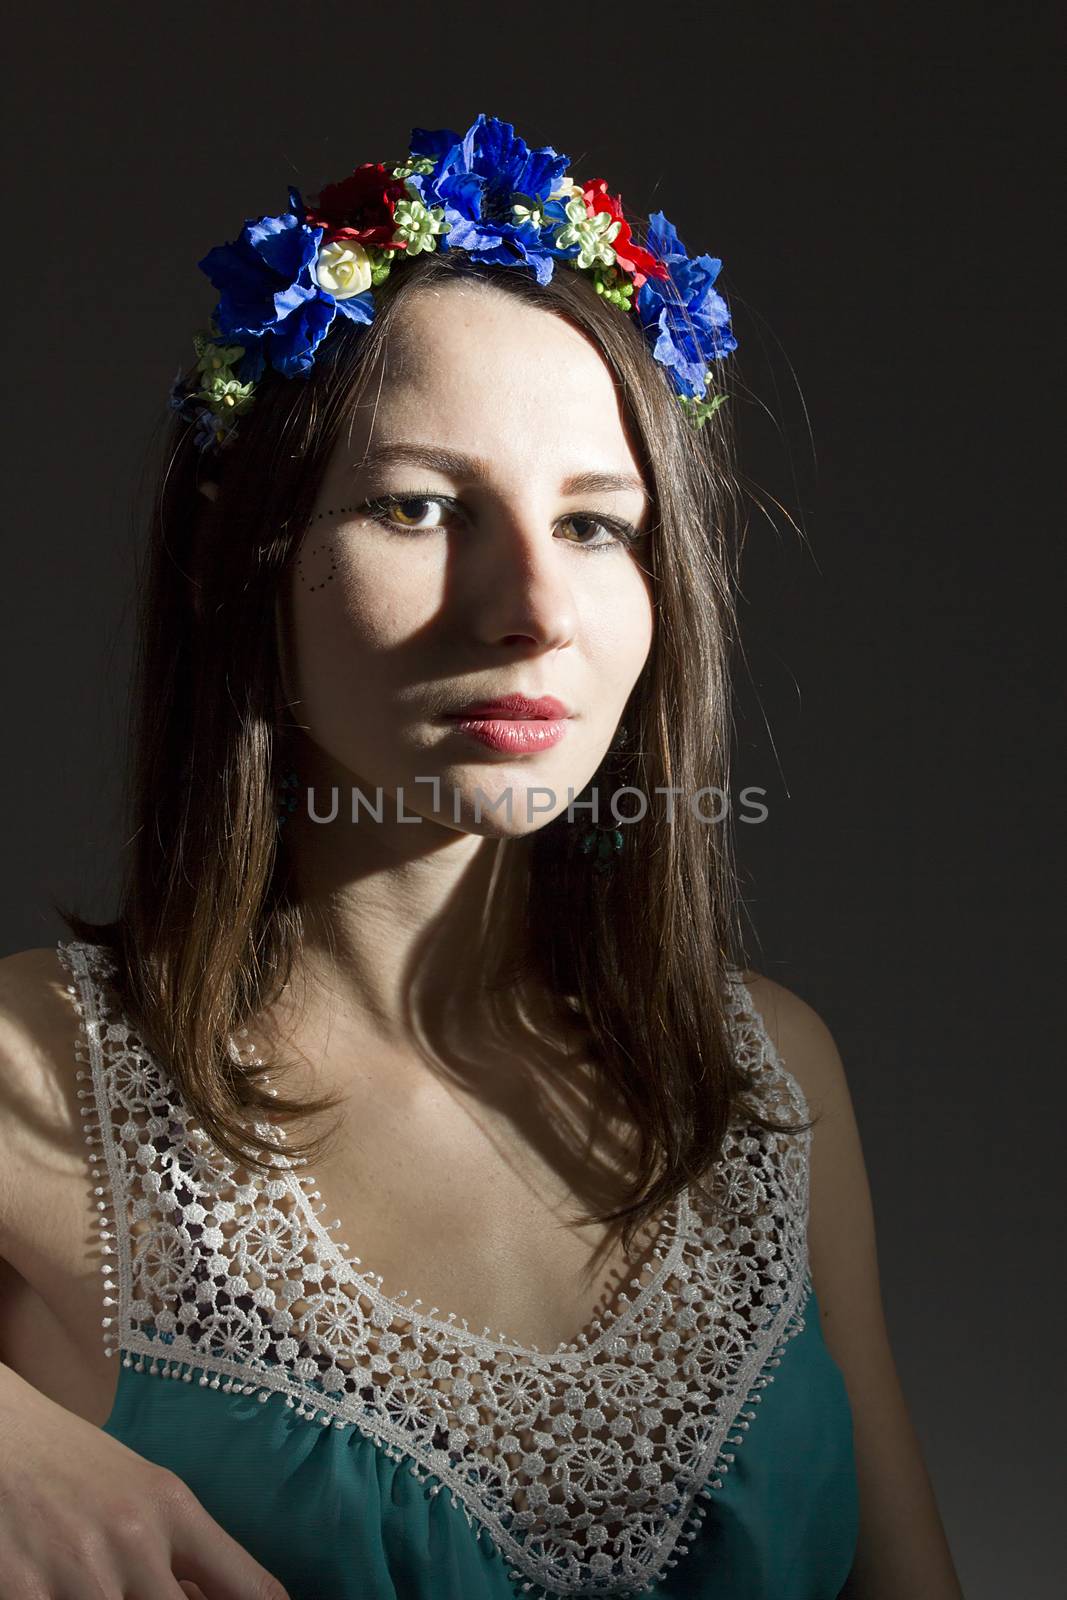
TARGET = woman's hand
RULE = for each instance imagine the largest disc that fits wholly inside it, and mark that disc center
(84, 1518)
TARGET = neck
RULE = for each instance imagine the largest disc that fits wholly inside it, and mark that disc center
(407, 927)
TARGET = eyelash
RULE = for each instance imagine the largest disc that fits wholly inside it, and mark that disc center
(624, 533)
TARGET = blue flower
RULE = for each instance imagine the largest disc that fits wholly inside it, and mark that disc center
(476, 178)
(270, 300)
(180, 396)
(208, 429)
(686, 321)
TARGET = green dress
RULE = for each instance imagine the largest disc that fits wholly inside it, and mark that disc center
(696, 1441)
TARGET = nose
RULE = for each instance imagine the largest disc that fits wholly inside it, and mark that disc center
(524, 580)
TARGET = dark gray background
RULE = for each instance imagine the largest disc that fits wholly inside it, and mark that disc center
(879, 182)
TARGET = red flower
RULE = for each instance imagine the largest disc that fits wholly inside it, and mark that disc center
(640, 264)
(360, 207)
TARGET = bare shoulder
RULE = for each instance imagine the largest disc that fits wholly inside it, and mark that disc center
(36, 1017)
(40, 1124)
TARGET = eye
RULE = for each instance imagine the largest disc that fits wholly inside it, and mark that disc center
(407, 512)
(617, 531)
(401, 511)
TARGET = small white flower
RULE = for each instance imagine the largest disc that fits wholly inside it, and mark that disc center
(594, 235)
(342, 268)
(565, 189)
(533, 214)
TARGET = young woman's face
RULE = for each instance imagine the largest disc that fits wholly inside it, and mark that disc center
(492, 572)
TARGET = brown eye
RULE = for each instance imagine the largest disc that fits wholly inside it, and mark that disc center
(405, 512)
(409, 513)
(613, 532)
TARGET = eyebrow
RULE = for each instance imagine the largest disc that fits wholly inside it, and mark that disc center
(455, 465)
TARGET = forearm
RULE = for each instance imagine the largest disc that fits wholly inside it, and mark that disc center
(902, 1552)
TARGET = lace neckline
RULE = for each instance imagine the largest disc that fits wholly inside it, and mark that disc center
(676, 1226)
(664, 1248)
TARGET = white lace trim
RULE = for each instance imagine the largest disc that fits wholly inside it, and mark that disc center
(587, 1466)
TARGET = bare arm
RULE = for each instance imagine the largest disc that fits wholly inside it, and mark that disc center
(81, 1514)
(902, 1553)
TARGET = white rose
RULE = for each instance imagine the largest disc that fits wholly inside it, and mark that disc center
(342, 268)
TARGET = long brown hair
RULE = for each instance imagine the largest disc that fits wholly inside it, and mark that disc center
(207, 929)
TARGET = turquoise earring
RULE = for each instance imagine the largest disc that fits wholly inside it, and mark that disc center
(286, 797)
(602, 845)
(601, 842)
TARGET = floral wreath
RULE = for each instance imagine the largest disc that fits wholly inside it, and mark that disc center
(286, 278)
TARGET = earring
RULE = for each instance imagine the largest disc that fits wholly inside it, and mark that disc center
(601, 843)
(285, 793)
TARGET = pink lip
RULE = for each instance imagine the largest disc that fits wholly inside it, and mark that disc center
(514, 736)
(515, 707)
(514, 724)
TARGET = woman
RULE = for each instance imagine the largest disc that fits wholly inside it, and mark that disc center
(473, 567)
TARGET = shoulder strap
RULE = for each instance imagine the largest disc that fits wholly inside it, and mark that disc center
(156, 1176)
(127, 1106)
(756, 1052)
